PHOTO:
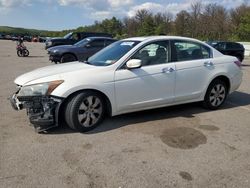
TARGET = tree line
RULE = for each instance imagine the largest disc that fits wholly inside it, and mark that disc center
(204, 22)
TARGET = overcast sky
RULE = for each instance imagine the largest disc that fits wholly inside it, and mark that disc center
(65, 14)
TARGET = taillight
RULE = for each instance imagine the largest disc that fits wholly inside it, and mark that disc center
(238, 63)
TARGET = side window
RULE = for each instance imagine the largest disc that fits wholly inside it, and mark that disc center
(75, 36)
(153, 53)
(108, 42)
(232, 46)
(229, 45)
(206, 53)
(186, 50)
(221, 46)
(99, 43)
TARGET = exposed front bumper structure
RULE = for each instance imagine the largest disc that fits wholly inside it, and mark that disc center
(54, 58)
(42, 110)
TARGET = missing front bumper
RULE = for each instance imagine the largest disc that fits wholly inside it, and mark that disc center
(42, 110)
(14, 102)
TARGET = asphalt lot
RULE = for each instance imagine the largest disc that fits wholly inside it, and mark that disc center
(182, 146)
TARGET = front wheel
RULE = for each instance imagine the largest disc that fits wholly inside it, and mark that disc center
(67, 58)
(216, 94)
(85, 111)
(26, 53)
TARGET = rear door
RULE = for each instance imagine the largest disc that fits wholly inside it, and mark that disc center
(194, 65)
(234, 49)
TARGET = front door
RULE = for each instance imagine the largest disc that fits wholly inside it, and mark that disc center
(149, 86)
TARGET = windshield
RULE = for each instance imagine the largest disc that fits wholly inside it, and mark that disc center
(82, 42)
(68, 35)
(112, 53)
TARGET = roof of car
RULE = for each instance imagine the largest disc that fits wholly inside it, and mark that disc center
(99, 38)
(160, 37)
(222, 42)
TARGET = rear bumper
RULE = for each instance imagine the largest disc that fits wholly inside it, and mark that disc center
(236, 81)
(41, 110)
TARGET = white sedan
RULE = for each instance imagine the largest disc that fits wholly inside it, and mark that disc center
(130, 75)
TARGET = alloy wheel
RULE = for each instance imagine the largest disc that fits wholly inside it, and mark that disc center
(217, 95)
(90, 111)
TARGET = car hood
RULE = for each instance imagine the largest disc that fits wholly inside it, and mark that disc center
(51, 71)
(56, 38)
(61, 47)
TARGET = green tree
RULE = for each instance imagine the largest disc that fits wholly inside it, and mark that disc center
(147, 26)
(182, 23)
(244, 27)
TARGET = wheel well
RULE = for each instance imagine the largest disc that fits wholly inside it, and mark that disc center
(63, 105)
(69, 53)
(224, 79)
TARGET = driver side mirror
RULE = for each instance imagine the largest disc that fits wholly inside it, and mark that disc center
(133, 64)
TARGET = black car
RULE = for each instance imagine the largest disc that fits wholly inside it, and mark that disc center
(72, 38)
(229, 48)
(79, 51)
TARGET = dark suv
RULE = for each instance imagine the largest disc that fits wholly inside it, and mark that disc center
(79, 51)
(72, 38)
(229, 48)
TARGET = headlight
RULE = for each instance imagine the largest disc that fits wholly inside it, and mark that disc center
(49, 43)
(55, 51)
(39, 89)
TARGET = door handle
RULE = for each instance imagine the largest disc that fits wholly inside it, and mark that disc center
(168, 70)
(208, 64)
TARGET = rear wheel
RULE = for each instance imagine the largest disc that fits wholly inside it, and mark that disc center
(216, 94)
(19, 53)
(85, 111)
(67, 58)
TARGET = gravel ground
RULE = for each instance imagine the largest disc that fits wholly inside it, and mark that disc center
(182, 146)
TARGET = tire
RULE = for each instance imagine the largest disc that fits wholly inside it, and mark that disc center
(216, 94)
(85, 111)
(67, 58)
(26, 53)
(19, 53)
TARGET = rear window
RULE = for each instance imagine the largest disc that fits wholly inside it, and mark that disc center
(232, 45)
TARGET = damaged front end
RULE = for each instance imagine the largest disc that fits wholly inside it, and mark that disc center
(42, 108)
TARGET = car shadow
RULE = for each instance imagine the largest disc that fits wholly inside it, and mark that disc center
(35, 56)
(234, 100)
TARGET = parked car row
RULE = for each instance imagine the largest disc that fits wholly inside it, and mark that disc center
(25, 38)
(72, 38)
(129, 75)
